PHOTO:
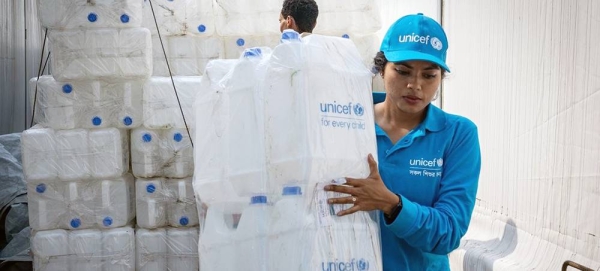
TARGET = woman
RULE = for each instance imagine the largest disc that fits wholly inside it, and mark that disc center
(429, 160)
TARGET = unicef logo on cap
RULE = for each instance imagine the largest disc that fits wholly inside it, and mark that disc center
(436, 43)
(359, 110)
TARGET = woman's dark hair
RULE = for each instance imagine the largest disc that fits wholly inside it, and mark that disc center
(379, 62)
(305, 13)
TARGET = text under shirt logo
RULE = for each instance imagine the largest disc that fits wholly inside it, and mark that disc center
(426, 168)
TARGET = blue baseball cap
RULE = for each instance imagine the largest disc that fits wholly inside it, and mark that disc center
(416, 37)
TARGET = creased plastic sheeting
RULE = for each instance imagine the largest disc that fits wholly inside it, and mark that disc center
(114, 54)
(294, 107)
(74, 155)
(81, 204)
(187, 54)
(91, 249)
(162, 202)
(13, 201)
(235, 45)
(541, 155)
(86, 104)
(69, 14)
(165, 153)
(240, 17)
(181, 17)
(161, 108)
(169, 249)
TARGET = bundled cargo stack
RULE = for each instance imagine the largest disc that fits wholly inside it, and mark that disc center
(357, 20)
(161, 150)
(278, 125)
(76, 160)
(162, 162)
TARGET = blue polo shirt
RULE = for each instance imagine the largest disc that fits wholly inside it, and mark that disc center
(435, 168)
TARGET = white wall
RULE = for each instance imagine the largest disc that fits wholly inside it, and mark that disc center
(528, 74)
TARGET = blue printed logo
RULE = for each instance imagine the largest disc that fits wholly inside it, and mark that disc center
(352, 265)
(359, 110)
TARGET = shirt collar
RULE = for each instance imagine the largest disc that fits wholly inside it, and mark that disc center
(435, 118)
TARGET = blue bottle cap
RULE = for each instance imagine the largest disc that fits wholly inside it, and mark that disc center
(96, 121)
(177, 137)
(67, 88)
(40, 188)
(107, 221)
(184, 221)
(150, 188)
(201, 28)
(127, 121)
(291, 191)
(75, 223)
(124, 18)
(240, 42)
(147, 137)
(253, 52)
(262, 199)
(345, 36)
(92, 17)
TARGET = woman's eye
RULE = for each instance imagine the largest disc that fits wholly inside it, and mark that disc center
(430, 76)
(401, 72)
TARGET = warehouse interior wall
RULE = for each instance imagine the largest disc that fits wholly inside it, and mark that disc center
(21, 39)
(528, 74)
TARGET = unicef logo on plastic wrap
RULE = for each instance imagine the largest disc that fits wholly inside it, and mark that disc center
(359, 110)
(343, 115)
(436, 43)
(352, 265)
(363, 265)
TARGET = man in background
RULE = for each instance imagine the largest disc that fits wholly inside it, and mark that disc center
(299, 15)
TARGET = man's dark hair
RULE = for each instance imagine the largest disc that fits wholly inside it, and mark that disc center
(305, 13)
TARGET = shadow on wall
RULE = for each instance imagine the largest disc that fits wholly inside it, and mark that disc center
(481, 255)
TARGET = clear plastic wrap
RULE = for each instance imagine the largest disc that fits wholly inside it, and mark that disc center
(91, 249)
(187, 54)
(105, 203)
(235, 45)
(161, 202)
(165, 153)
(309, 102)
(115, 54)
(245, 18)
(161, 109)
(167, 249)
(86, 104)
(68, 14)
(356, 16)
(181, 17)
(232, 160)
(74, 155)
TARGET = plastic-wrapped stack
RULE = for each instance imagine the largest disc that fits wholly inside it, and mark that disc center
(304, 112)
(76, 161)
(357, 20)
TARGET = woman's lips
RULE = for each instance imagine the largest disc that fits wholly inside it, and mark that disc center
(411, 99)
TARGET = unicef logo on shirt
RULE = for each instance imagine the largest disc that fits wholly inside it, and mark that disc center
(359, 110)
(440, 162)
(436, 43)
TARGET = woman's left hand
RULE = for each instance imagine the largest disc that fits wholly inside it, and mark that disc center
(366, 194)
